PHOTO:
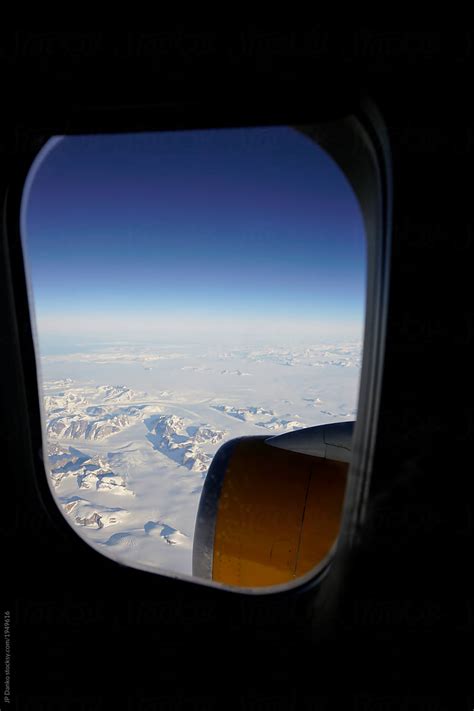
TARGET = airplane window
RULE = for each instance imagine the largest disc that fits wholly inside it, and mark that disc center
(198, 303)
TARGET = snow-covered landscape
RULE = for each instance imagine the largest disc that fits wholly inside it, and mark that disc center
(131, 431)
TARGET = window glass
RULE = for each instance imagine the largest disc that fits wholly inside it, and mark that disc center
(186, 288)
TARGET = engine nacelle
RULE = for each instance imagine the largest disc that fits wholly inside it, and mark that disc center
(271, 507)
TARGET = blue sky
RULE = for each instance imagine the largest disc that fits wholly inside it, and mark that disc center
(157, 235)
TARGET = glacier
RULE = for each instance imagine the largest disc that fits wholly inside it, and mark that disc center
(129, 445)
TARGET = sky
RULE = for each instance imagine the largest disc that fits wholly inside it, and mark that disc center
(247, 234)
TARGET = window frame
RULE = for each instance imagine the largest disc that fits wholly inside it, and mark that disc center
(357, 141)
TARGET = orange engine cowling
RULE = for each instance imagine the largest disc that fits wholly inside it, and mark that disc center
(268, 514)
